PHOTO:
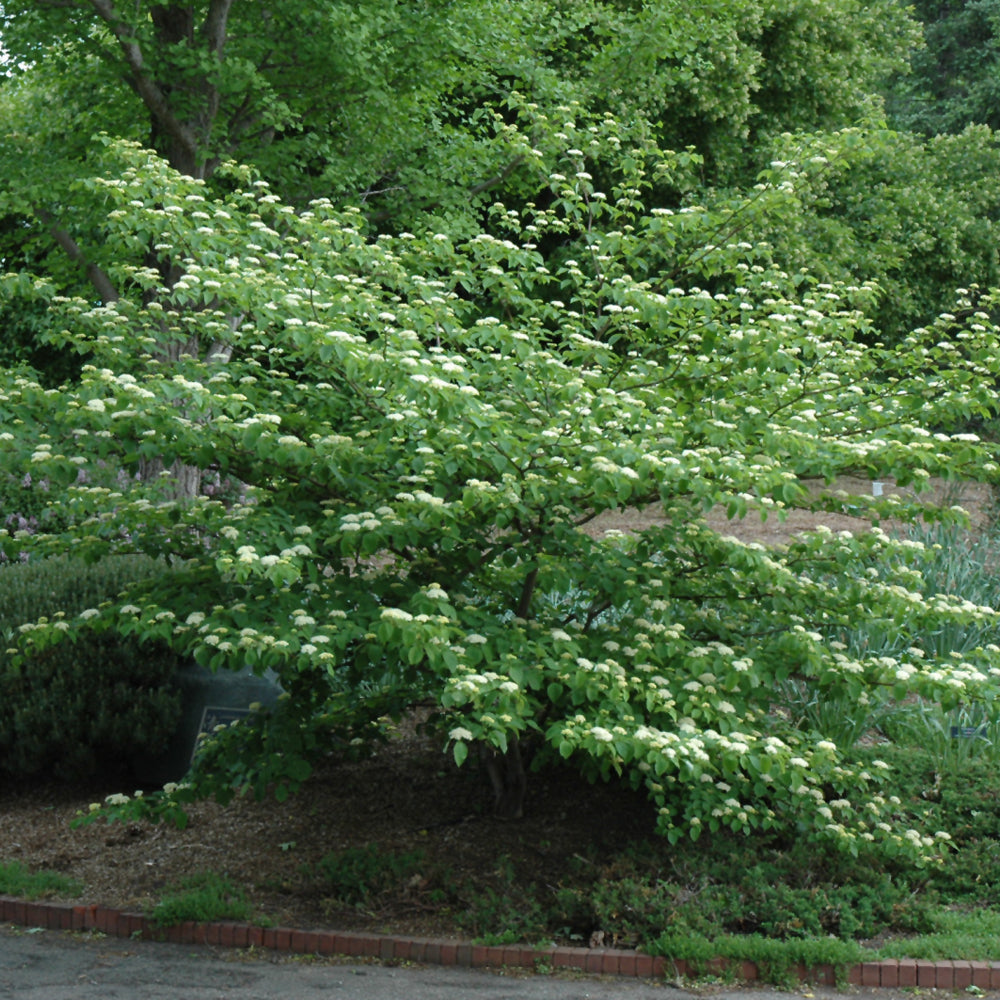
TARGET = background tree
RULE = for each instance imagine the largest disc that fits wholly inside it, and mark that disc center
(727, 78)
(918, 217)
(954, 78)
(383, 103)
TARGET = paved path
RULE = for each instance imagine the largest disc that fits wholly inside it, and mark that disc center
(58, 965)
(53, 965)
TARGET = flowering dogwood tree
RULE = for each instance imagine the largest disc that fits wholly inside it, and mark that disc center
(422, 435)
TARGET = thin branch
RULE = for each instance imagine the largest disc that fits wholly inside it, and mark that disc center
(499, 178)
(96, 275)
(472, 190)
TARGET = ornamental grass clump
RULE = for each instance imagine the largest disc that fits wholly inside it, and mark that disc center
(949, 559)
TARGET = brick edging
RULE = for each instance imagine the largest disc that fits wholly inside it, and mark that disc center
(442, 951)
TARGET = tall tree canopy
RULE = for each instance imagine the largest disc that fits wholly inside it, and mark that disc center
(386, 103)
(389, 105)
(920, 217)
(954, 78)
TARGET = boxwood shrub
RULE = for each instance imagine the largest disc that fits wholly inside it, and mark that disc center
(77, 707)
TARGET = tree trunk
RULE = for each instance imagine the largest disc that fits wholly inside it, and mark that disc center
(183, 106)
(509, 780)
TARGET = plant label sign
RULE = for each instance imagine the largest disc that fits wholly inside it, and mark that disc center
(212, 718)
(968, 732)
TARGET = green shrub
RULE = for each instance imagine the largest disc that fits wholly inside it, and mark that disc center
(48, 586)
(963, 800)
(78, 705)
(954, 561)
(738, 887)
(750, 904)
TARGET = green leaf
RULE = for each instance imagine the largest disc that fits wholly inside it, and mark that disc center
(298, 769)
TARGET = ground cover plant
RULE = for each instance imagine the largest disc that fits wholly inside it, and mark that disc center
(17, 880)
(205, 897)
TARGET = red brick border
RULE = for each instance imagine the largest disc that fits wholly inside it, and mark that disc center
(432, 951)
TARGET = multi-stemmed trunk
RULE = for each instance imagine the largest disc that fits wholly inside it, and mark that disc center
(508, 778)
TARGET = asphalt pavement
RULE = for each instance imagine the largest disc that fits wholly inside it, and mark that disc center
(59, 965)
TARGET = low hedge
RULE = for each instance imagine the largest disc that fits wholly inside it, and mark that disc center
(78, 706)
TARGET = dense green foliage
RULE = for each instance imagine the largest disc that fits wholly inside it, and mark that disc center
(953, 80)
(402, 121)
(409, 411)
(384, 101)
(873, 208)
(403, 298)
(84, 704)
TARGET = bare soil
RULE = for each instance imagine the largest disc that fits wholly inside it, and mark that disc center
(407, 799)
(775, 530)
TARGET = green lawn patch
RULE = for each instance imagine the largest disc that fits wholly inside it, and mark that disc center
(16, 880)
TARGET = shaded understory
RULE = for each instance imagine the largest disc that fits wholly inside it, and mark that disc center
(406, 842)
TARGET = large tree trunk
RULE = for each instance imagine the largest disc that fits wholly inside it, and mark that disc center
(185, 480)
(183, 107)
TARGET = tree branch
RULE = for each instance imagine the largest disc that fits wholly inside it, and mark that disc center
(152, 96)
(214, 27)
(473, 189)
(499, 178)
(97, 276)
(527, 592)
